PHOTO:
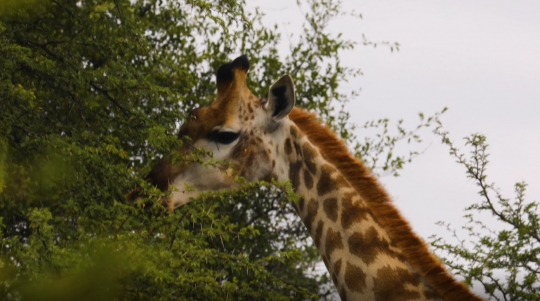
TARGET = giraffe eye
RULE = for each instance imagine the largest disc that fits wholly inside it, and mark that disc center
(223, 137)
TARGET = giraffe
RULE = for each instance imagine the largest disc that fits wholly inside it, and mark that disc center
(369, 250)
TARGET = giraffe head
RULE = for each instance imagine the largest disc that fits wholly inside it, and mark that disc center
(239, 130)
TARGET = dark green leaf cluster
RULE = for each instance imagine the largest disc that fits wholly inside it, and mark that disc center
(502, 248)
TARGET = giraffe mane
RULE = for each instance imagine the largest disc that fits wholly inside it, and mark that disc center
(360, 177)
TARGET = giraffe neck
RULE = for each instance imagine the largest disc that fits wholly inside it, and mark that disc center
(359, 254)
(369, 250)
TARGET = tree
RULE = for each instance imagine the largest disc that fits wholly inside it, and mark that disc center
(92, 95)
(502, 248)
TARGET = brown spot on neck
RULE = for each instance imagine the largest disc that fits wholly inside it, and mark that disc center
(333, 242)
(308, 179)
(325, 184)
(353, 213)
(330, 207)
(355, 279)
(294, 174)
(312, 209)
(288, 146)
(298, 150)
(369, 245)
(390, 284)
(318, 235)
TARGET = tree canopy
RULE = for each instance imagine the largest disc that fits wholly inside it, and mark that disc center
(92, 94)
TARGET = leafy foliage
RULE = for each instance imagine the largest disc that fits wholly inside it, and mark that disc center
(92, 93)
(502, 255)
(378, 152)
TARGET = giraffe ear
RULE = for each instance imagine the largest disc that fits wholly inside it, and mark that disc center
(281, 98)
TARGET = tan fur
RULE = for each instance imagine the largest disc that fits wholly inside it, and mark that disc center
(416, 251)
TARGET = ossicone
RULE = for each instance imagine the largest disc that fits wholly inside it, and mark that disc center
(226, 73)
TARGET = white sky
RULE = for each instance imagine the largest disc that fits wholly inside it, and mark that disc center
(481, 59)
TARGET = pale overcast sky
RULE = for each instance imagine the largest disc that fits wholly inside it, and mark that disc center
(481, 59)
